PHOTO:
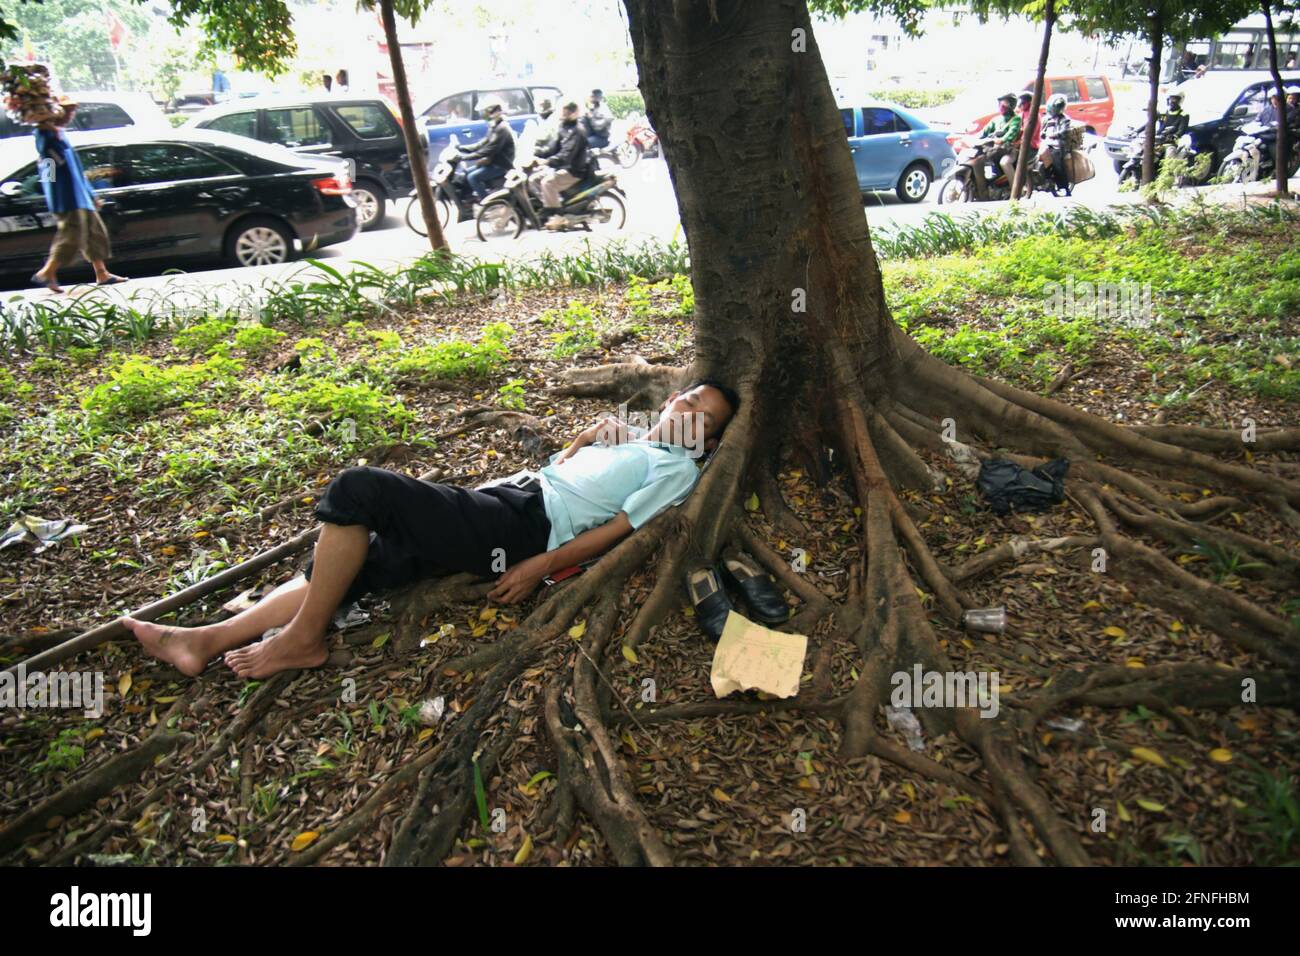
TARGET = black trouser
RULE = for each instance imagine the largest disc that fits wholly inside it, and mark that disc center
(419, 529)
(1057, 170)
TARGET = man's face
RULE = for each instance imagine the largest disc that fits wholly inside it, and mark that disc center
(694, 419)
(569, 116)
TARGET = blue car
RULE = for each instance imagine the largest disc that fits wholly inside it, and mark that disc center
(460, 114)
(892, 149)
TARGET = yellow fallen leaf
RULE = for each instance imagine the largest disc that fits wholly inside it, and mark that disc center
(1221, 755)
(902, 816)
(629, 655)
(304, 840)
(719, 795)
(124, 684)
(626, 737)
(1134, 662)
(1091, 606)
(200, 534)
(168, 550)
(166, 700)
(1123, 813)
(1176, 626)
(92, 734)
(752, 503)
(1152, 806)
(525, 851)
(487, 614)
(424, 735)
(1114, 631)
(1150, 756)
(909, 790)
(225, 838)
(578, 630)
(479, 631)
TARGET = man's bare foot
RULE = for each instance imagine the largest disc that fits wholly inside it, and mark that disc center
(182, 647)
(287, 650)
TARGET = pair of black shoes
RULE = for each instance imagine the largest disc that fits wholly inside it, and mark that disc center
(712, 603)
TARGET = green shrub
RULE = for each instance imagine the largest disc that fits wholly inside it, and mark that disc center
(83, 355)
(137, 386)
(917, 99)
(65, 752)
(580, 325)
(456, 358)
(255, 340)
(365, 406)
(203, 337)
(623, 104)
(511, 394)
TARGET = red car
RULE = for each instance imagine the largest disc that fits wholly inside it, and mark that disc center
(1089, 101)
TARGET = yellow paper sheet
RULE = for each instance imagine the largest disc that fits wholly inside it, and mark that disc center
(752, 657)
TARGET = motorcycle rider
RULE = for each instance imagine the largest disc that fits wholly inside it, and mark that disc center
(1052, 151)
(492, 157)
(567, 161)
(1008, 162)
(548, 123)
(597, 121)
(1173, 122)
(1002, 130)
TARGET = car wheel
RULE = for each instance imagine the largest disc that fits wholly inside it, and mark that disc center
(371, 204)
(258, 242)
(914, 184)
(499, 219)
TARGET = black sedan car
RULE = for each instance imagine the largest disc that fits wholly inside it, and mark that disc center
(182, 194)
(361, 130)
(1217, 104)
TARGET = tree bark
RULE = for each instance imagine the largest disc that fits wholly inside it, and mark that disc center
(1156, 33)
(782, 264)
(414, 149)
(1283, 134)
(1026, 153)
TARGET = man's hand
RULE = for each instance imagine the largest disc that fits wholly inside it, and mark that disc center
(520, 581)
(609, 429)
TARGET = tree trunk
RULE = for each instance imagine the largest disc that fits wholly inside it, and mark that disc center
(1026, 153)
(1156, 33)
(781, 260)
(1283, 134)
(414, 149)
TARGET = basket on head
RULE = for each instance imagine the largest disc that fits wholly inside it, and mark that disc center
(27, 96)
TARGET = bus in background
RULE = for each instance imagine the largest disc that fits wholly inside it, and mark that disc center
(1243, 47)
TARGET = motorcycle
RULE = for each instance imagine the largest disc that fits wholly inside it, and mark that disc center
(596, 200)
(1251, 158)
(1182, 150)
(641, 141)
(959, 183)
(451, 190)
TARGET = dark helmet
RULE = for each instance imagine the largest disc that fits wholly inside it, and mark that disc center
(1008, 98)
(1025, 96)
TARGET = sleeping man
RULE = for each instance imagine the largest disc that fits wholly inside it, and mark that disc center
(383, 530)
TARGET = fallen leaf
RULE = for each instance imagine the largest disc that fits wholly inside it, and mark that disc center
(629, 655)
(1152, 806)
(902, 816)
(1221, 755)
(1150, 756)
(124, 684)
(525, 851)
(304, 840)
(578, 630)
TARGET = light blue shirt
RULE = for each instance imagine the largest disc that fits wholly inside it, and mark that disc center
(637, 477)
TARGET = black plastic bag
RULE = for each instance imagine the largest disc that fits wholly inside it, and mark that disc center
(1007, 486)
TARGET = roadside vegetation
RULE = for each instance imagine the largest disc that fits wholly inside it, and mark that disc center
(190, 441)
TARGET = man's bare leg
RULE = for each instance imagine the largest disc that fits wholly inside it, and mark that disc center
(102, 275)
(189, 649)
(340, 553)
(49, 275)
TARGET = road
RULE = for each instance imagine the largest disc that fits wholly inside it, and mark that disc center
(652, 215)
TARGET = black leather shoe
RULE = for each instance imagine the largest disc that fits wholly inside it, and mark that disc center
(764, 600)
(710, 600)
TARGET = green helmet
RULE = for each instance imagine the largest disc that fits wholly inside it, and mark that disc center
(1056, 104)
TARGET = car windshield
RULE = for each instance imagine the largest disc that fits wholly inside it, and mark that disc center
(1204, 102)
